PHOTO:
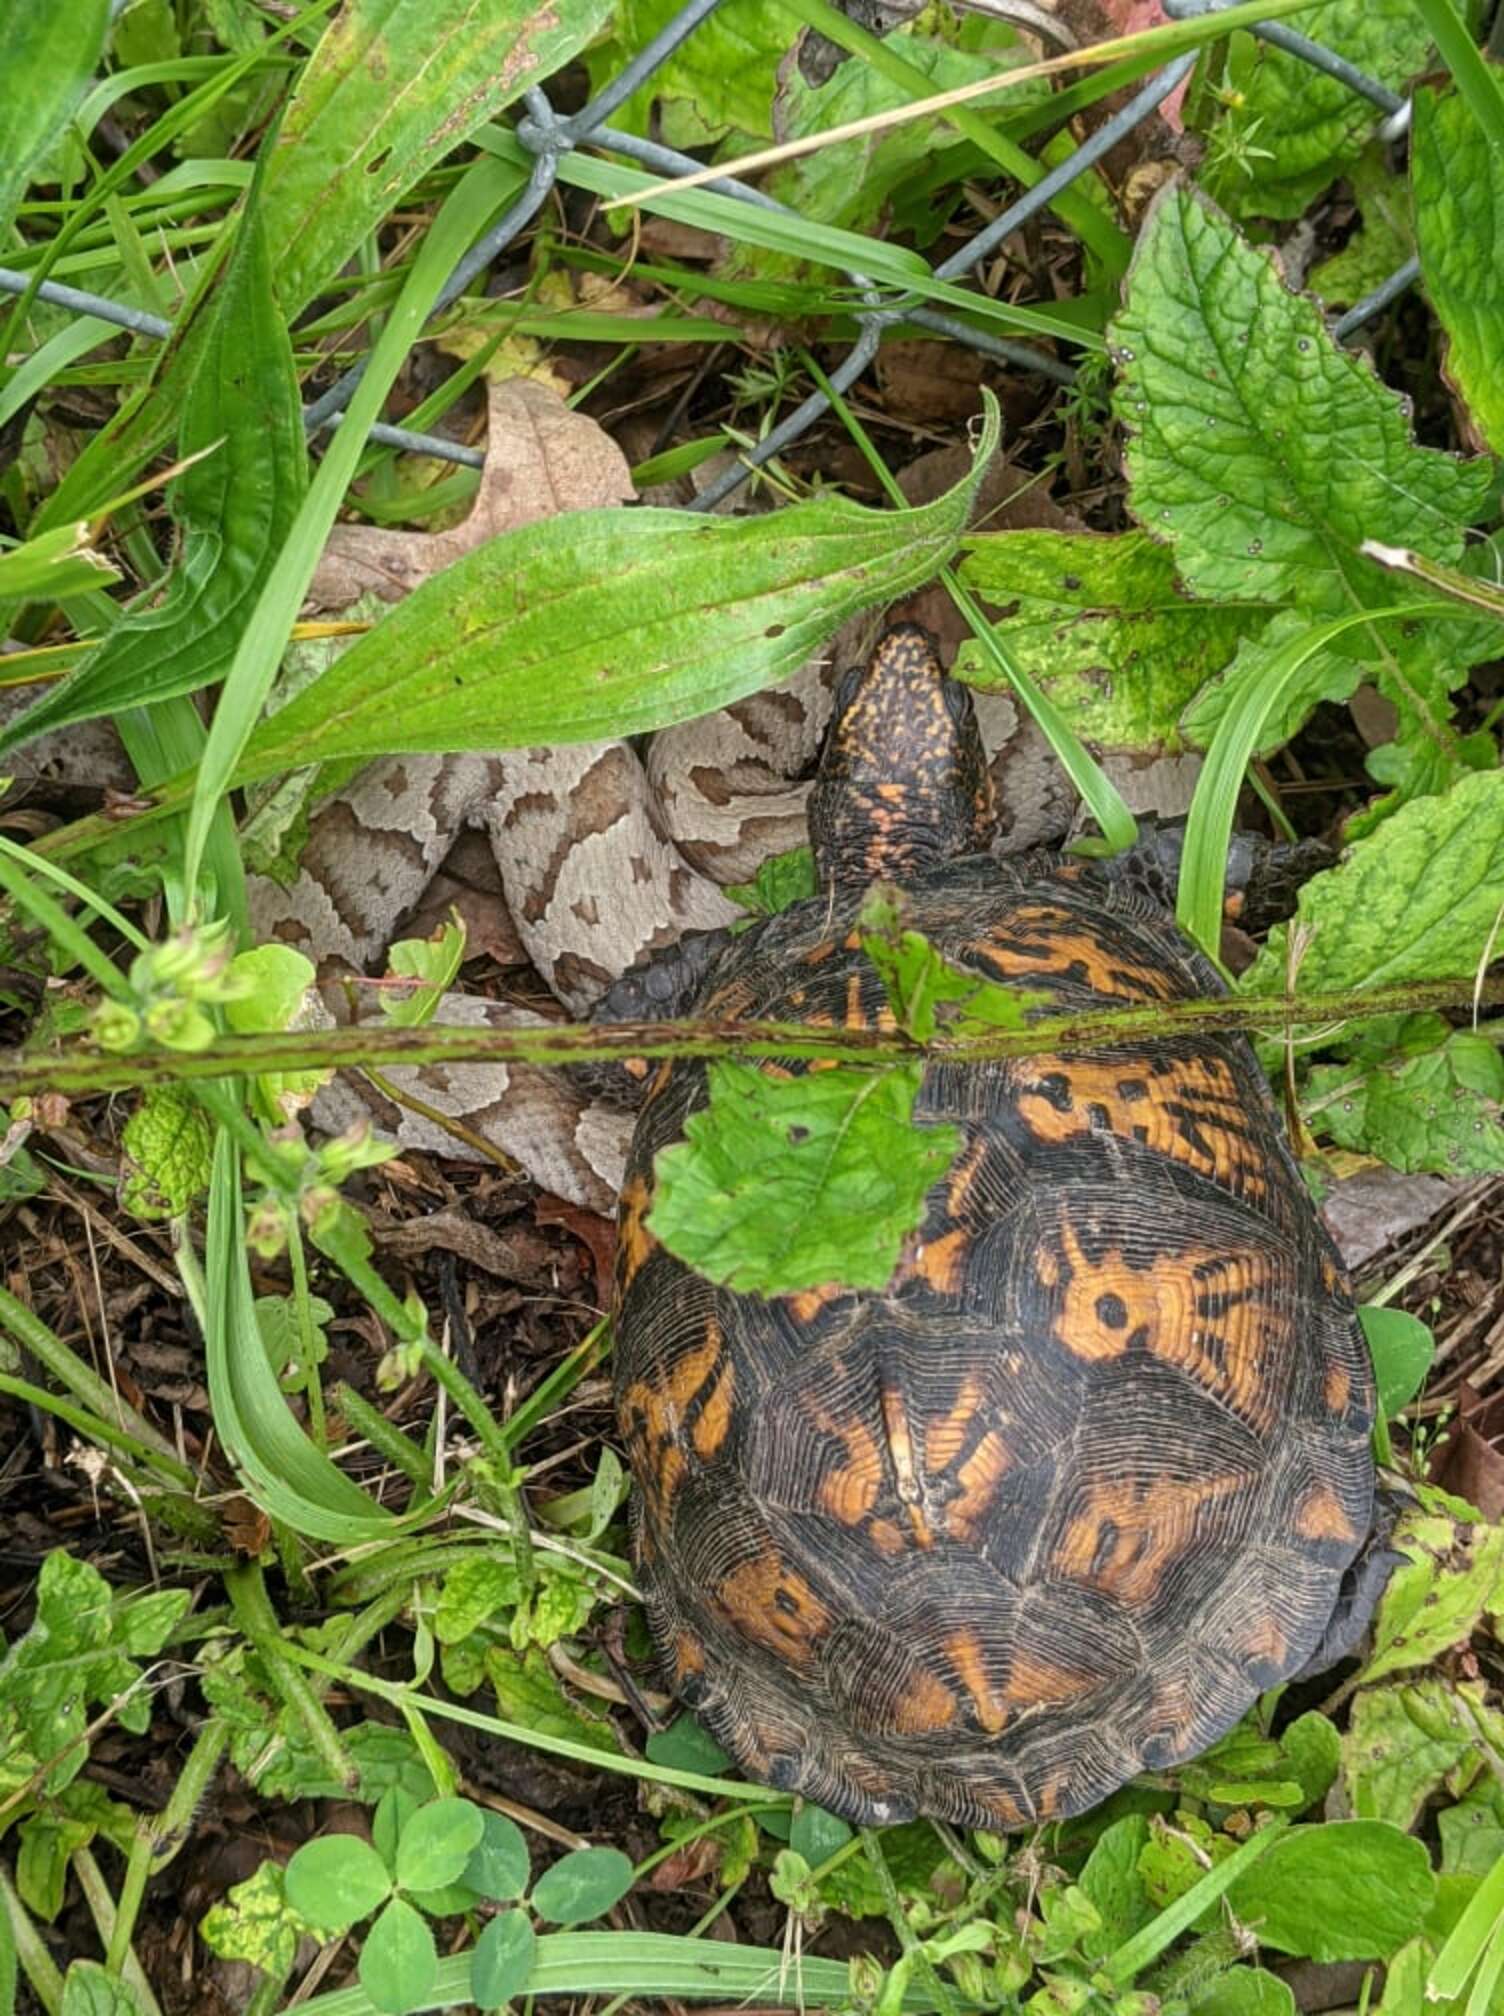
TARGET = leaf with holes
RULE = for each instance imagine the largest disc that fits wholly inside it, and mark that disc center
(1458, 183)
(790, 1183)
(352, 142)
(1289, 129)
(1258, 450)
(1432, 1101)
(610, 622)
(1417, 900)
(1452, 1574)
(1105, 628)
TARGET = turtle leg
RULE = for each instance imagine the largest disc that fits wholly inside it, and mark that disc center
(1263, 877)
(659, 988)
(1362, 1585)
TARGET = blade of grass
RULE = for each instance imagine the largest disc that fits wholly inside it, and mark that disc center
(1209, 824)
(1135, 1954)
(1453, 1966)
(1478, 80)
(260, 651)
(1171, 40)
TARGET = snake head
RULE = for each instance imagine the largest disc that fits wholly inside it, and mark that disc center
(903, 783)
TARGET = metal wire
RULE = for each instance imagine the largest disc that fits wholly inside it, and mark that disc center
(548, 136)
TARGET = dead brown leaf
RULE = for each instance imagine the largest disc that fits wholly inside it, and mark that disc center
(1470, 1462)
(541, 459)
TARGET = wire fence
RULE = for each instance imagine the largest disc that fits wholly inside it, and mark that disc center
(548, 136)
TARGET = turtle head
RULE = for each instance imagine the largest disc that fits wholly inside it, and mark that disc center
(903, 783)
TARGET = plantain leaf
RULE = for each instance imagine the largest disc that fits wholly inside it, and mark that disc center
(47, 56)
(609, 622)
(234, 507)
(1260, 452)
(392, 88)
(1458, 183)
(1104, 627)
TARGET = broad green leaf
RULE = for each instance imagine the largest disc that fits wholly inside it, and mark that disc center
(784, 1184)
(392, 88)
(1245, 1991)
(498, 1865)
(785, 879)
(1311, 127)
(336, 1880)
(528, 1693)
(1402, 1348)
(1399, 1745)
(1416, 900)
(1287, 703)
(1104, 627)
(433, 963)
(609, 623)
(1311, 1752)
(89, 1991)
(47, 56)
(233, 507)
(720, 79)
(1458, 184)
(399, 1962)
(1348, 1890)
(436, 1843)
(1472, 1831)
(503, 1960)
(684, 1746)
(1191, 1904)
(582, 1884)
(816, 1834)
(1261, 452)
(1112, 1882)
(1434, 1599)
(1436, 1110)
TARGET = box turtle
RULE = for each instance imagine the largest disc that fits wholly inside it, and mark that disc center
(1092, 1470)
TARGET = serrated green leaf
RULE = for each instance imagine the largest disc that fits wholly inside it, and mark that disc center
(1346, 1890)
(528, 1693)
(1261, 452)
(281, 1332)
(168, 1146)
(1453, 1572)
(503, 1960)
(433, 962)
(1416, 900)
(783, 1184)
(608, 622)
(499, 1866)
(1320, 675)
(1104, 627)
(1311, 127)
(1399, 1745)
(475, 1590)
(337, 1880)
(351, 142)
(234, 506)
(1458, 183)
(582, 1884)
(47, 56)
(399, 1962)
(437, 1841)
(1438, 1111)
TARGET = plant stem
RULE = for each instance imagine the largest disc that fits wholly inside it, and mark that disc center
(31, 1950)
(70, 1371)
(160, 1836)
(257, 1619)
(107, 1922)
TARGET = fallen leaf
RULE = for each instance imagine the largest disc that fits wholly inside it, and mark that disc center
(541, 459)
(1470, 1462)
(596, 1234)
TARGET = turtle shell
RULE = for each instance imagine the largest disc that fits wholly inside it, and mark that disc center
(1055, 1505)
